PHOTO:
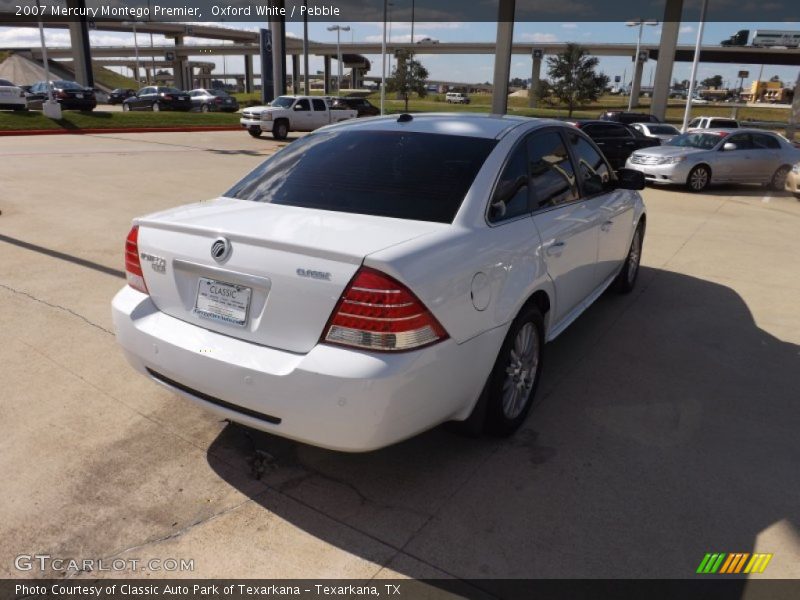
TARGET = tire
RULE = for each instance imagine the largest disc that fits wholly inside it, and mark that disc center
(204, 108)
(515, 376)
(797, 195)
(626, 280)
(778, 180)
(699, 178)
(126, 107)
(156, 107)
(254, 131)
(280, 130)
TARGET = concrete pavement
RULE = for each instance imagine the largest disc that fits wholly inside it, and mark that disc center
(666, 419)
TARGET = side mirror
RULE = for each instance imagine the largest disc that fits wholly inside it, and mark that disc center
(297, 107)
(728, 146)
(630, 179)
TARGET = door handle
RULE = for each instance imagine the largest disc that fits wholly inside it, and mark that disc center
(555, 249)
(607, 225)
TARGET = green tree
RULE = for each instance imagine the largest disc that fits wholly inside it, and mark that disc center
(573, 78)
(713, 82)
(409, 76)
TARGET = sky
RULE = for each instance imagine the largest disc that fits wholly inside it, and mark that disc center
(469, 68)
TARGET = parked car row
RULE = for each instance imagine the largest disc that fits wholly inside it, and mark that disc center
(70, 95)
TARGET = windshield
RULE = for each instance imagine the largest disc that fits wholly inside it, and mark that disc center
(67, 85)
(282, 102)
(218, 93)
(405, 175)
(704, 141)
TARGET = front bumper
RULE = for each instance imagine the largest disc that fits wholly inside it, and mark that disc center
(793, 183)
(333, 397)
(676, 173)
(252, 123)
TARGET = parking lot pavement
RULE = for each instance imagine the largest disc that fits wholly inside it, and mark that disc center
(666, 419)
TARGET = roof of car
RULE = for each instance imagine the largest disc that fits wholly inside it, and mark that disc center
(466, 124)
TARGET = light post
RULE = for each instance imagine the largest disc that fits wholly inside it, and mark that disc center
(50, 107)
(338, 29)
(383, 61)
(640, 23)
(136, 49)
(412, 20)
(690, 94)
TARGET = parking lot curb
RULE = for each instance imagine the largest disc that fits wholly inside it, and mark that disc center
(118, 130)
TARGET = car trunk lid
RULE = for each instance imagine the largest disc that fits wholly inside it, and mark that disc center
(280, 274)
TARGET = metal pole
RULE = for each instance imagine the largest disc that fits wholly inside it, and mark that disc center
(636, 62)
(413, 2)
(687, 112)
(758, 84)
(44, 54)
(502, 59)
(383, 60)
(307, 84)
(136, 46)
(338, 60)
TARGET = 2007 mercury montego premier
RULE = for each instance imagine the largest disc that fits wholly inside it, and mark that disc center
(353, 303)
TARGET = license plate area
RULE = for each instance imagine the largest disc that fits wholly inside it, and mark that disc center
(224, 302)
(79, 96)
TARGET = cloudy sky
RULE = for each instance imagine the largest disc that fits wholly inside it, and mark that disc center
(477, 68)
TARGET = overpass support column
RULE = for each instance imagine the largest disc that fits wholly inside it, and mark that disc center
(536, 71)
(502, 57)
(666, 57)
(179, 68)
(326, 86)
(248, 73)
(81, 52)
(295, 74)
(636, 82)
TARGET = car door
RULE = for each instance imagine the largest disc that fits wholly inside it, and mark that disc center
(736, 165)
(566, 223)
(613, 208)
(302, 116)
(145, 98)
(320, 114)
(766, 155)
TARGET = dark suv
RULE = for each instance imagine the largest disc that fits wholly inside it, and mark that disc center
(621, 116)
(616, 140)
(361, 105)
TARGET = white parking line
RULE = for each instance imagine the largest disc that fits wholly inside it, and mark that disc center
(766, 199)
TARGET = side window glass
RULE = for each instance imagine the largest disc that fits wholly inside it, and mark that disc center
(742, 141)
(552, 176)
(511, 194)
(319, 105)
(765, 142)
(593, 170)
(302, 104)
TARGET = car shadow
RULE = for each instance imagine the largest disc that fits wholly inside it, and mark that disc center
(665, 419)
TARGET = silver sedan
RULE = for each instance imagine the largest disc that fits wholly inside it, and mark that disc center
(700, 158)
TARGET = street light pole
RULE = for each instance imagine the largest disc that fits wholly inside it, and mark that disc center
(688, 110)
(136, 46)
(306, 84)
(338, 29)
(413, 2)
(50, 107)
(641, 23)
(383, 60)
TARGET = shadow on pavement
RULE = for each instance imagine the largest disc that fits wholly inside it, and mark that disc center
(666, 428)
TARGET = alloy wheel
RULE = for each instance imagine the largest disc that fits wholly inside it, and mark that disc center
(521, 371)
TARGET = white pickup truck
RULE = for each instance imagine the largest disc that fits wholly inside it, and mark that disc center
(292, 113)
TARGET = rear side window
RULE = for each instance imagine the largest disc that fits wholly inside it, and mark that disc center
(5, 82)
(511, 193)
(722, 123)
(551, 172)
(606, 130)
(592, 167)
(303, 104)
(405, 175)
(319, 105)
(762, 141)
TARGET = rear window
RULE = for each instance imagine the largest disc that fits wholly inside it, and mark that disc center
(723, 123)
(663, 129)
(67, 85)
(6, 82)
(405, 175)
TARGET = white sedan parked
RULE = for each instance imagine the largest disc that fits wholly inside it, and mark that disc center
(11, 96)
(376, 278)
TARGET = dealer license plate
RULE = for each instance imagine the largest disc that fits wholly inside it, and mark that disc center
(79, 96)
(220, 301)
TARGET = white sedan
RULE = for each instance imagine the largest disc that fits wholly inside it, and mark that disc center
(376, 278)
(11, 96)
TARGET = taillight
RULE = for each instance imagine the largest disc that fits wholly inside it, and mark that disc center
(167, 97)
(218, 100)
(377, 312)
(133, 268)
(62, 95)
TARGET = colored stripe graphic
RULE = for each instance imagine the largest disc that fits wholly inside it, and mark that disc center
(733, 563)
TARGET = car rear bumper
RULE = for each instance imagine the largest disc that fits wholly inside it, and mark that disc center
(661, 174)
(333, 397)
(793, 182)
